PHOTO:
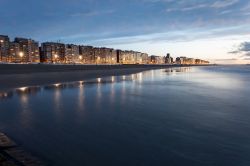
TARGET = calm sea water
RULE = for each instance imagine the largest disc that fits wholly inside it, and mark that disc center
(197, 116)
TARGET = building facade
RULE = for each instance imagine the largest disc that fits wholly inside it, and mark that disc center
(4, 48)
(153, 59)
(15, 52)
(29, 50)
(23, 50)
(190, 61)
(72, 54)
(53, 52)
(169, 59)
(87, 54)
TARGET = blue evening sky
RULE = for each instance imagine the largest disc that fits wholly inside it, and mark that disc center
(210, 29)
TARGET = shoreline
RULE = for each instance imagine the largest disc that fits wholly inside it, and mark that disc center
(12, 154)
(16, 76)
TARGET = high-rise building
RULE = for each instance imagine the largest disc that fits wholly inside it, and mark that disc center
(29, 50)
(4, 48)
(87, 54)
(14, 54)
(53, 52)
(168, 59)
(105, 55)
(153, 59)
(72, 54)
(144, 58)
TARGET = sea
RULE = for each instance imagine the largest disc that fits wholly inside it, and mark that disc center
(181, 116)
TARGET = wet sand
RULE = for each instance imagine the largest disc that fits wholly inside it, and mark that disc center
(16, 76)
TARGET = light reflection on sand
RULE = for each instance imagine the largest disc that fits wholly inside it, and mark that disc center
(33, 90)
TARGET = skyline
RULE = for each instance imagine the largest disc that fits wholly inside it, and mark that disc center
(206, 29)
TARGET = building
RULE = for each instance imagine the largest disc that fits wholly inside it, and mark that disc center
(4, 48)
(15, 52)
(105, 55)
(23, 50)
(72, 54)
(169, 59)
(190, 61)
(29, 50)
(201, 62)
(182, 60)
(153, 59)
(87, 54)
(144, 58)
(52, 52)
(131, 57)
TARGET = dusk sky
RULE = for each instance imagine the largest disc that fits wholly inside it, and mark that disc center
(208, 29)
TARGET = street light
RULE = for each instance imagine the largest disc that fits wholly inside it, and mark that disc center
(56, 57)
(21, 54)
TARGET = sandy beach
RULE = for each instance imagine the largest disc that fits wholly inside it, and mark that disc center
(16, 76)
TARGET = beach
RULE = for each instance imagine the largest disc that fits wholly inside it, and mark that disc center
(23, 75)
(192, 115)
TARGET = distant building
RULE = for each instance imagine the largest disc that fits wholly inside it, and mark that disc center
(190, 61)
(29, 50)
(131, 57)
(169, 59)
(181, 60)
(153, 59)
(15, 52)
(105, 55)
(53, 52)
(201, 62)
(87, 54)
(23, 50)
(72, 54)
(140, 58)
(4, 48)
(144, 58)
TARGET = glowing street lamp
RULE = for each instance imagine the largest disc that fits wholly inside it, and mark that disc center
(23, 89)
(56, 57)
(21, 54)
(80, 57)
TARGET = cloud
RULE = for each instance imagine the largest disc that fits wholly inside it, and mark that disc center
(187, 6)
(93, 13)
(225, 3)
(243, 49)
(175, 36)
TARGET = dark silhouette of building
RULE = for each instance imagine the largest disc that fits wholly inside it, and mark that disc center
(53, 52)
(4, 48)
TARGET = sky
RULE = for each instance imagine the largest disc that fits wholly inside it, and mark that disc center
(215, 30)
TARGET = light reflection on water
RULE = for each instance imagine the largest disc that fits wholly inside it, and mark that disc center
(33, 90)
(178, 116)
